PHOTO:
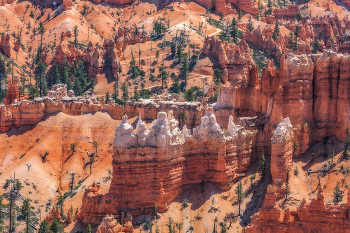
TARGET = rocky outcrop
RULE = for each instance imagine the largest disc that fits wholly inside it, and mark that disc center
(291, 11)
(114, 2)
(172, 157)
(234, 60)
(281, 154)
(110, 225)
(5, 45)
(316, 216)
(12, 90)
(67, 4)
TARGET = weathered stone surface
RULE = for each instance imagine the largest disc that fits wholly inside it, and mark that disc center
(12, 90)
(291, 11)
(316, 216)
(5, 45)
(281, 153)
(110, 225)
(172, 157)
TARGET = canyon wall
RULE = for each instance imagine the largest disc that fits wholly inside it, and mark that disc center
(316, 216)
(18, 113)
(157, 164)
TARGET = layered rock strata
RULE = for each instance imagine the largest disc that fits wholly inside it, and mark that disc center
(155, 165)
(22, 112)
(110, 225)
(316, 216)
(281, 154)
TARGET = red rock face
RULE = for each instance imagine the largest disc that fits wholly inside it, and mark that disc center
(281, 154)
(234, 60)
(12, 90)
(315, 216)
(147, 169)
(5, 45)
(291, 11)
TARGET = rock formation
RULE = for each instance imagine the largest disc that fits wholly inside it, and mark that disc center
(281, 153)
(173, 158)
(12, 90)
(5, 45)
(67, 4)
(291, 11)
(110, 225)
(234, 60)
(97, 58)
(316, 216)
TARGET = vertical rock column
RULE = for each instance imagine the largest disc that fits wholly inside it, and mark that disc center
(281, 154)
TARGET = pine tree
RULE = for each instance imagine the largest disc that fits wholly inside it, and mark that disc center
(173, 49)
(55, 75)
(240, 196)
(234, 30)
(125, 91)
(28, 215)
(136, 93)
(276, 32)
(239, 14)
(60, 203)
(88, 229)
(76, 31)
(337, 194)
(44, 227)
(185, 69)
(56, 226)
(163, 75)
(287, 183)
(107, 97)
(115, 92)
(65, 72)
(40, 75)
(217, 76)
(295, 147)
(182, 118)
(179, 53)
(2, 214)
(262, 165)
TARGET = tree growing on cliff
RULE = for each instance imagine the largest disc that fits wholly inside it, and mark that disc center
(163, 75)
(262, 165)
(234, 30)
(240, 196)
(239, 14)
(125, 91)
(33, 92)
(88, 229)
(115, 92)
(213, 5)
(295, 147)
(185, 69)
(252, 177)
(287, 185)
(107, 97)
(75, 32)
(276, 32)
(217, 76)
(28, 215)
(337, 194)
(44, 227)
(60, 203)
(346, 144)
(2, 213)
(56, 227)
(182, 118)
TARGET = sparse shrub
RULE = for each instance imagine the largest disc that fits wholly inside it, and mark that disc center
(296, 171)
(184, 203)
